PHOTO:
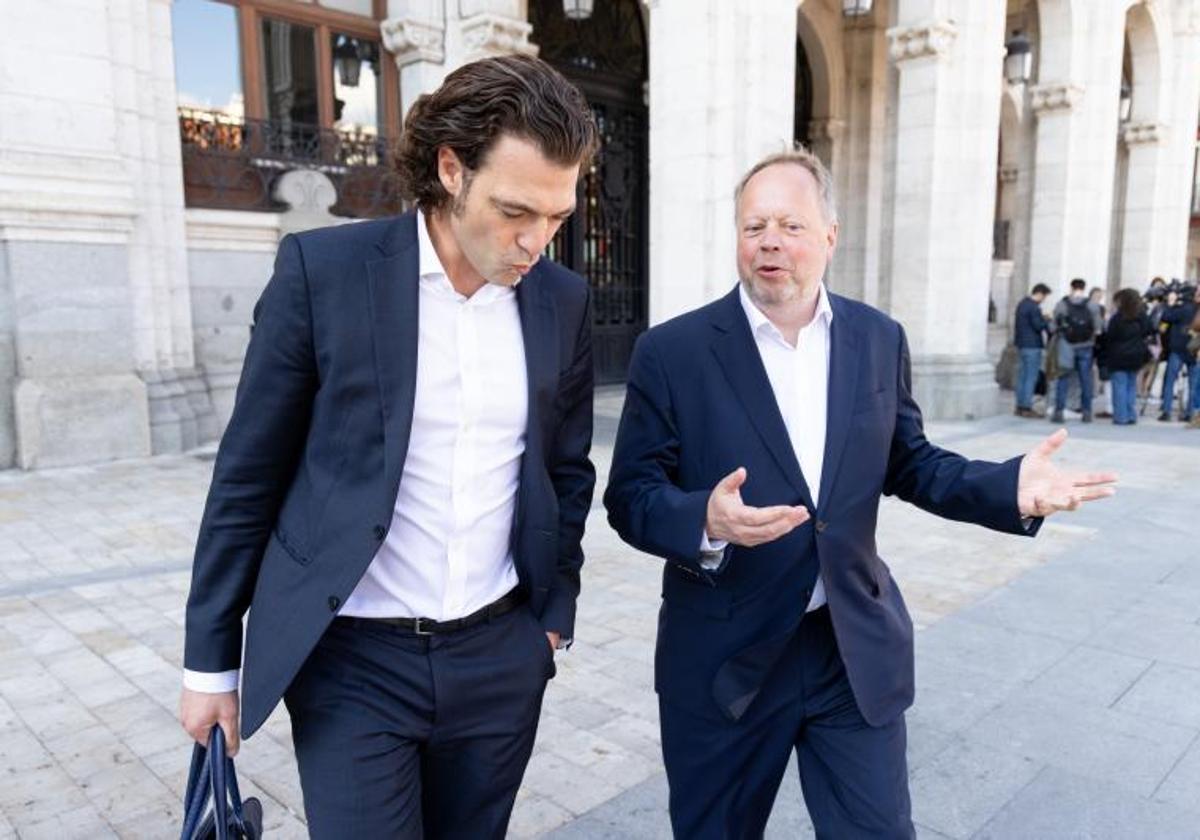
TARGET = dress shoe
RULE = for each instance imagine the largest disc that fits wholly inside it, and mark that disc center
(1087, 417)
(1056, 417)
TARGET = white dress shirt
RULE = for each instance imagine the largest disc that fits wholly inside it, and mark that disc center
(447, 553)
(799, 378)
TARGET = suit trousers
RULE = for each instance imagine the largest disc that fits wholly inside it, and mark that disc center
(724, 775)
(405, 736)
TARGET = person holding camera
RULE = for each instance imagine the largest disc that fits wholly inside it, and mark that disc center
(1175, 322)
(1079, 321)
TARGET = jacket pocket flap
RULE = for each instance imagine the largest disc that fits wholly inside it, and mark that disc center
(680, 590)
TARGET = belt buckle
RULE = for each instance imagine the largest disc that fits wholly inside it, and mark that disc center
(417, 627)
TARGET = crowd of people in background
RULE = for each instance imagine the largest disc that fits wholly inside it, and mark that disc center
(1081, 349)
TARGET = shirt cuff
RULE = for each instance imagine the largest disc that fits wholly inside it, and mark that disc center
(209, 683)
(712, 552)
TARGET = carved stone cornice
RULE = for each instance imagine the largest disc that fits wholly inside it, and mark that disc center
(490, 35)
(1145, 133)
(935, 38)
(412, 40)
(1009, 174)
(1054, 96)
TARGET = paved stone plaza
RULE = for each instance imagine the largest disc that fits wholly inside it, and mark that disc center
(1058, 679)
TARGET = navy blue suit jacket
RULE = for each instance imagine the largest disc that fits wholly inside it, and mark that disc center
(309, 467)
(699, 405)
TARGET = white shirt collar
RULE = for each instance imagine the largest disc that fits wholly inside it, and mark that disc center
(433, 273)
(760, 322)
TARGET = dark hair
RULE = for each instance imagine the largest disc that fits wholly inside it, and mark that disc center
(1078, 283)
(1040, 289)
(1128, 303)
(513, 94)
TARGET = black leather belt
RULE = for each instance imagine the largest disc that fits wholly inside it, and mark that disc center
(429, 627)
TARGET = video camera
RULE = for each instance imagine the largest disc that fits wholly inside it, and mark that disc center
(1184, 291)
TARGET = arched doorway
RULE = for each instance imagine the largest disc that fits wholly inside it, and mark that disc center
(803, 108)
(607, 239)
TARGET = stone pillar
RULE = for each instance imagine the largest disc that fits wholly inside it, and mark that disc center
(860, 175)
(1076, 103)
(142, 54)
(1145, 211)
(947, 133)
(69, 393)
(1179, 153)
(415, 34)
(710, 119)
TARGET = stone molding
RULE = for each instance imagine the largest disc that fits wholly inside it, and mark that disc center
(231, 230)
(488, 35)
(935, 38)
(1055, 96)
(411, 40)
(1146, 133)
(1008, 174)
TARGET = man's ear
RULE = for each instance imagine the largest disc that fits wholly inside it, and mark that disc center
(450, 170)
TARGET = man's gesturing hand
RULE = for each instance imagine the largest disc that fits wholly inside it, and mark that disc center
(1043, 489)
(198, 712)
(731, 520)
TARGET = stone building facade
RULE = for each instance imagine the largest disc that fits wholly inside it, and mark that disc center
(133, 247)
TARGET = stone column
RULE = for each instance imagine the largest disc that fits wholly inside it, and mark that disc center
(69, 393)
(710, 119)
(856, 266)
(141, 46)
(415, 34)
(1145, 211)
(947, 133)
(1075, 102)
(1179, 154)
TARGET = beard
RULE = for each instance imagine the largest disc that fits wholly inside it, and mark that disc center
(772, 294)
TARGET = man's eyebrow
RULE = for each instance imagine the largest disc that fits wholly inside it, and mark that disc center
(505, 204)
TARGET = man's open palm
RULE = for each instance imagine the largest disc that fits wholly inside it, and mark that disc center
(1043, 488)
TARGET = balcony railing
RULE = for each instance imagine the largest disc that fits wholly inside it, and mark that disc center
(231, 163)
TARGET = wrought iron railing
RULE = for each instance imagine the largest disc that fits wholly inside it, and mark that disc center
(233, 163)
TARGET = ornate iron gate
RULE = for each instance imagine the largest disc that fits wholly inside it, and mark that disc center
(606, 240)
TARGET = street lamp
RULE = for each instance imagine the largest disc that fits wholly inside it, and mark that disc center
(856, 8)
(346, 60)
(1126, 99)
(578, 9)
(1018, 59)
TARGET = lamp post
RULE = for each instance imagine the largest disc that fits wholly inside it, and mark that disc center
(578, 9)
(1126, 99)
(1018, 59)
(346, 60)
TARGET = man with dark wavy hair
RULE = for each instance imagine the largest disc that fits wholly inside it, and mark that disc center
(400, 494)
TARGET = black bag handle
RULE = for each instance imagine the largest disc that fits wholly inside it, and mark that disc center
(212, 773)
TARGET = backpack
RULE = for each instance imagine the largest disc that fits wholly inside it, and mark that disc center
(1078, 327)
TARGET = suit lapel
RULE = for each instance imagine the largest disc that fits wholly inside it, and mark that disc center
(844, 362)
(539, 336)
(739, 358)
(394, 285)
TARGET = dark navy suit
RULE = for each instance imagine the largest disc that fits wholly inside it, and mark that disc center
(309, 467)
(739, 674)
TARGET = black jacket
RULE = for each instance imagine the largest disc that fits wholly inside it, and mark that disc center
(1030, 325)
(1179, 319)
(1125, 342)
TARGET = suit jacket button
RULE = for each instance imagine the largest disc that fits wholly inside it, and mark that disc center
(821, 523)
(334, 603)
(380, 532)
